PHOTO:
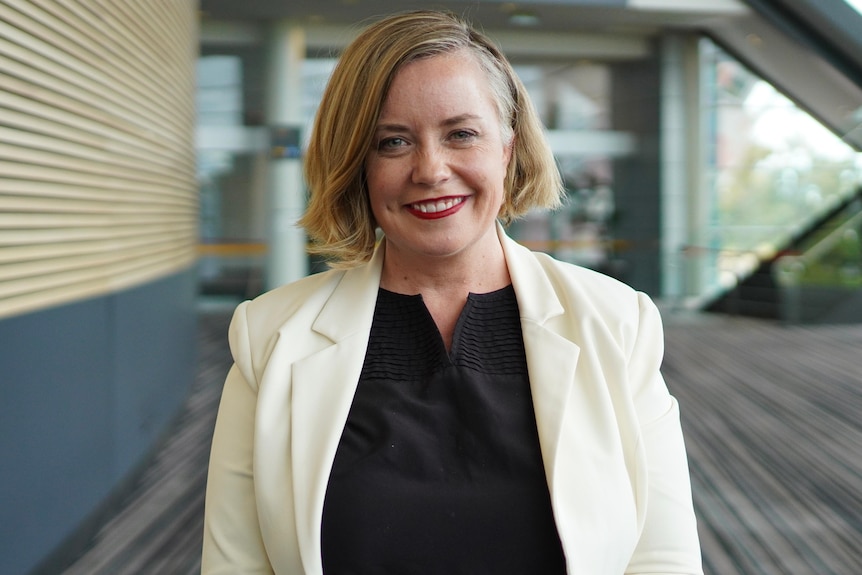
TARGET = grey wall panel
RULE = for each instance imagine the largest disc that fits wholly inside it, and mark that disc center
(154, 357)
(56, 440)
(86, 389)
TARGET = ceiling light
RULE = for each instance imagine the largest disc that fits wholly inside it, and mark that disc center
(521, 18)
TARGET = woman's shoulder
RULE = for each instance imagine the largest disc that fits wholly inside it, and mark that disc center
(592, 298)
(256, 322)
(564, 276)
(270, 310)
(296, 293)
(591, 295)
(586, 281)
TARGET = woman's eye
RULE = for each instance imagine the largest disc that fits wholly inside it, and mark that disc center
(462, 135)
(390, 143)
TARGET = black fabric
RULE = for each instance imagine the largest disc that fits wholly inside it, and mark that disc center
(439, 470)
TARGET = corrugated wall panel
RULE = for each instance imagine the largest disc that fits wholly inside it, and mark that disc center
(97, 171)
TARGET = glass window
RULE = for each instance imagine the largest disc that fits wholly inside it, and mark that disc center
(855, 4)
(770, 168)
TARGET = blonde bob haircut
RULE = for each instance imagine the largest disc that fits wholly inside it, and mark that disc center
(339, 220)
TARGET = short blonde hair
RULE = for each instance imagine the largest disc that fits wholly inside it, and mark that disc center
(339, 220)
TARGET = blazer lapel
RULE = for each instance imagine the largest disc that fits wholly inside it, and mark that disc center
(551, 359)
(576, 421)
(324, 384)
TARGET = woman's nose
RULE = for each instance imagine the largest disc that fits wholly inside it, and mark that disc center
(430, 166)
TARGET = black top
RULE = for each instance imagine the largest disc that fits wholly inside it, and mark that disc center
(439, 470)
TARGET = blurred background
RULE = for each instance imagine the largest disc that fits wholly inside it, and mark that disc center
(150, 179)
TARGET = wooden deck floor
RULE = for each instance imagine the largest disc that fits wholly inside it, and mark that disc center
(773, 421)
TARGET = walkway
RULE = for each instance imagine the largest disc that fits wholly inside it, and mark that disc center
(773, 418)
(773, 423)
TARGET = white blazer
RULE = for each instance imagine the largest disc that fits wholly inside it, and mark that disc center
(609, 430)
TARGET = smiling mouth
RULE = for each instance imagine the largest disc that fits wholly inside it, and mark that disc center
(436, 207)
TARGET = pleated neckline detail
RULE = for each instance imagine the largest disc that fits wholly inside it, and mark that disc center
(405, 343)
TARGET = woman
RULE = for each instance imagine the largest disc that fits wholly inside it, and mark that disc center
(444, 400)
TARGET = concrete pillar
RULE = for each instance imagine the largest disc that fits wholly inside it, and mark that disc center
(286, 257)
(674, 161)
(683, 220)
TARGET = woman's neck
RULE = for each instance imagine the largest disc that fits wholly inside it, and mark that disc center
(445, 283)
(480, 271)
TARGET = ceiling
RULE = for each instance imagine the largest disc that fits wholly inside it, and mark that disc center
(595, 16)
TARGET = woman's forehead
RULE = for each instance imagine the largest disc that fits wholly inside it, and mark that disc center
(455, 76)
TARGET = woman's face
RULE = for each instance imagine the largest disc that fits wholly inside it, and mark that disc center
(437, 165)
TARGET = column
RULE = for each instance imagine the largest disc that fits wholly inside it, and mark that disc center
(675, 158)
(286, 257)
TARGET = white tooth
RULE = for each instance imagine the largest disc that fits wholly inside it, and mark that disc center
(439, 206)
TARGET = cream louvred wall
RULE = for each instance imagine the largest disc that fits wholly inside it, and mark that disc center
(97, 173)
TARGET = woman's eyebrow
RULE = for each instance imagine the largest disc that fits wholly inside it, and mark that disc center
(454, 120)
(391, 128)
(460, 118)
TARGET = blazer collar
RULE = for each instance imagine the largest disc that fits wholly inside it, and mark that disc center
(537, 299)
(347, 310)
(552, 358)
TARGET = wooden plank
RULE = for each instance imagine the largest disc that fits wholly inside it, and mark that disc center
(22, 237)
(121, 137)
(54, 68)
(71, 249)
(55, 189)
(106, 181)
(772, 422)
(27, 146)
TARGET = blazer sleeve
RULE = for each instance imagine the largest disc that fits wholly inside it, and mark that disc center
(669, 542)
(232, 542)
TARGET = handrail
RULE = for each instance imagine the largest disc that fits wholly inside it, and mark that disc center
(789, 269)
